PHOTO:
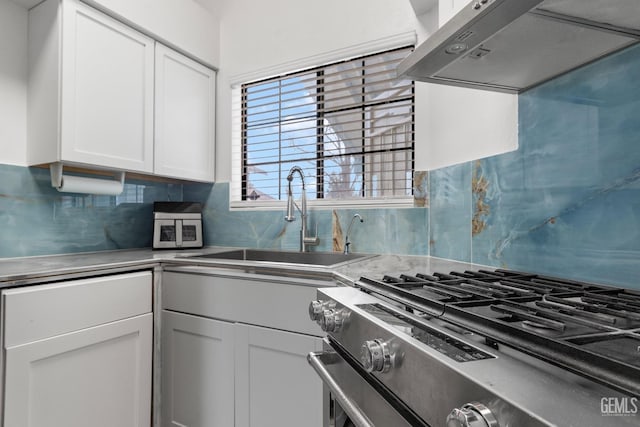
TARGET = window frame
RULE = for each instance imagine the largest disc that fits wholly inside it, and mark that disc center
(238, 127)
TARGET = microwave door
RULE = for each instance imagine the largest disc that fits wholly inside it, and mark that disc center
(191, 233)
(164, 233)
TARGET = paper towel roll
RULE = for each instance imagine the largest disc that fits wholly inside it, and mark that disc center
(78, 184)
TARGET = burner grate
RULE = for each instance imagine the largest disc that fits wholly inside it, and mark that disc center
(587, 328)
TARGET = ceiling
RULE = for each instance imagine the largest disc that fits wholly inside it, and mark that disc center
(210, 5)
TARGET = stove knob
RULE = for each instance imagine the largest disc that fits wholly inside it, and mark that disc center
(472, 415)
(316, 308)
(332, 320)
(375, 356)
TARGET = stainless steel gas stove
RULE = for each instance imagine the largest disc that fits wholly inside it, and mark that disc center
(481, 349)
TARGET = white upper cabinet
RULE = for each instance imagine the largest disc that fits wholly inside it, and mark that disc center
(90, 89)
(455, 124)
(104, 95)
(184, 117)
(189, 26)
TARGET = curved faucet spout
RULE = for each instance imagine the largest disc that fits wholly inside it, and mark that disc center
(291, 206)
(290, 176)
(346, 239)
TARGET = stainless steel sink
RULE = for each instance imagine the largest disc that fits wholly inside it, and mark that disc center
(312, 258)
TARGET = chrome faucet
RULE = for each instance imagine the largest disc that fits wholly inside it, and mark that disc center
(289, 217)
(346, 239)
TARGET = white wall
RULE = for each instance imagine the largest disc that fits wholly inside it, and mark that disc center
(256, 35)
(13, 84)
(456, 125)
(453, 125)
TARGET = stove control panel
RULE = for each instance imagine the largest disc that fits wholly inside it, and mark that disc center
(472, 415)
(443, 343)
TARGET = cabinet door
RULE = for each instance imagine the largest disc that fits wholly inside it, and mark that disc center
(197, 371)
(107, 91)
(184, 117)
(275, 386)
(99, 377)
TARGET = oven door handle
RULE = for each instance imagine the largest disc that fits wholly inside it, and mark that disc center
(349, 406)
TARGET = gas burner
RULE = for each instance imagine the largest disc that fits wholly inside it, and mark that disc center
(583, 327)
(478, 349)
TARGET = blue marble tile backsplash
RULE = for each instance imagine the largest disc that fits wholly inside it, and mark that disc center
(386, 231)
(567, 202)
(450, 214)
(36, 219)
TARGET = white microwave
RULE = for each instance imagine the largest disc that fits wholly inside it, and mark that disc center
(177, 225)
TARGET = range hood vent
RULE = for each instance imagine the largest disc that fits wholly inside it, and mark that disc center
(513, 45)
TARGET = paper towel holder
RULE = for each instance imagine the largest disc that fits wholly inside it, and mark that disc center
(76, 184)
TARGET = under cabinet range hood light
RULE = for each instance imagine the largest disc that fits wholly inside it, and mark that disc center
(513, 45)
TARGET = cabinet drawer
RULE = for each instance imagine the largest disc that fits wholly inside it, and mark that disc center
(37, 312)
(281, 304)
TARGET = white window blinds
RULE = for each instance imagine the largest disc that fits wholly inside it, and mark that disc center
(349, 125)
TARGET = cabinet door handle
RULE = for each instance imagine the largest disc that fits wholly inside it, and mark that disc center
(354, 412)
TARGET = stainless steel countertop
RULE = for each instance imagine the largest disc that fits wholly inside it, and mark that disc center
(31, 270)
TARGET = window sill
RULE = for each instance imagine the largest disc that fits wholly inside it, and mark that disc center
(396, 202)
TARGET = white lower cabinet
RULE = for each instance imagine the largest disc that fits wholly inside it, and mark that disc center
(94, 377)
(197, 371)
(78, 353)
(246, 368)
(275, 386)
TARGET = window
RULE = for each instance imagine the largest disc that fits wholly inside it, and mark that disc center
(349, 125)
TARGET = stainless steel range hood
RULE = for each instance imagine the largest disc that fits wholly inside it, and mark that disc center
(513, 45)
